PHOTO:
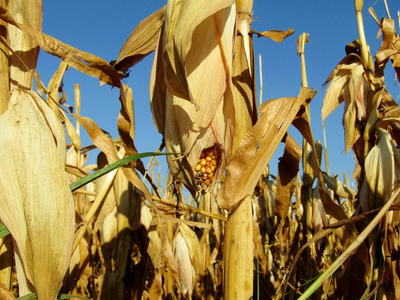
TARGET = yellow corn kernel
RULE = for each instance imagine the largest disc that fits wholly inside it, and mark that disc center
(205, 168)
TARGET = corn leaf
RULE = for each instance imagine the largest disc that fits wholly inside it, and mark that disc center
(36, 203)
(141, 42)
(275, 35)
(83, 61)
(93, 176)
(257, 148)
(288, 169)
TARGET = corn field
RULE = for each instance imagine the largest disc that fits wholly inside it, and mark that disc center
(220, 225)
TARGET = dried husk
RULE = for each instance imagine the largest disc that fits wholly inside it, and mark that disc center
(194, 53)
(22, 67)
(37, 205)
(380, 173)
(182, 261)
(188, 59)
(186, 250)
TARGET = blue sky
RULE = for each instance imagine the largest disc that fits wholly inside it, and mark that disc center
(101, 28)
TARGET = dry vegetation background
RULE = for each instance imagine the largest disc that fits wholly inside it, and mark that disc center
(113, 230)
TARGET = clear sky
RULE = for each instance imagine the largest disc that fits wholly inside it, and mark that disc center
(101, 27)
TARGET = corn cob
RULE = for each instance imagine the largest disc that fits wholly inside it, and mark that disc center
(206, 167)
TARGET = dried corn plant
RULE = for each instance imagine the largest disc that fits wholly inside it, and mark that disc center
(114, 230)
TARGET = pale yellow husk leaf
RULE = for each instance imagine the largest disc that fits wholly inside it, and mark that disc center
(183, 264)
(36, 202)
(191, 44)
(380, 173)
(194, 54)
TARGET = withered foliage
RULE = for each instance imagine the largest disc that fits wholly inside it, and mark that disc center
(240, 232)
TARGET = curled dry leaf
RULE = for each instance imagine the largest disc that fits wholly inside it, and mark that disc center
(338, 187)
(85, 62)
(348, 84)
(389, 47)
(142, 41)
(243, 77)
(288, 169)
(257, 148)
(36, 202)
(275, 35)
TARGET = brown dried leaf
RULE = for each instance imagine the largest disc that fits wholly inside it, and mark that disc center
(258, 146)
(141, 42)
(158, 88)
(389, 47)
(338, 187)
(5, 293)
(337, 88)
(85, 62)
(243, 89)
(288, 169)
(275, 35)
(37, 205)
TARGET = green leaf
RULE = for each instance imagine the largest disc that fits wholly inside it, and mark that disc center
(33, 296)
(85, 180)
(3, 230)
(73, 297)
